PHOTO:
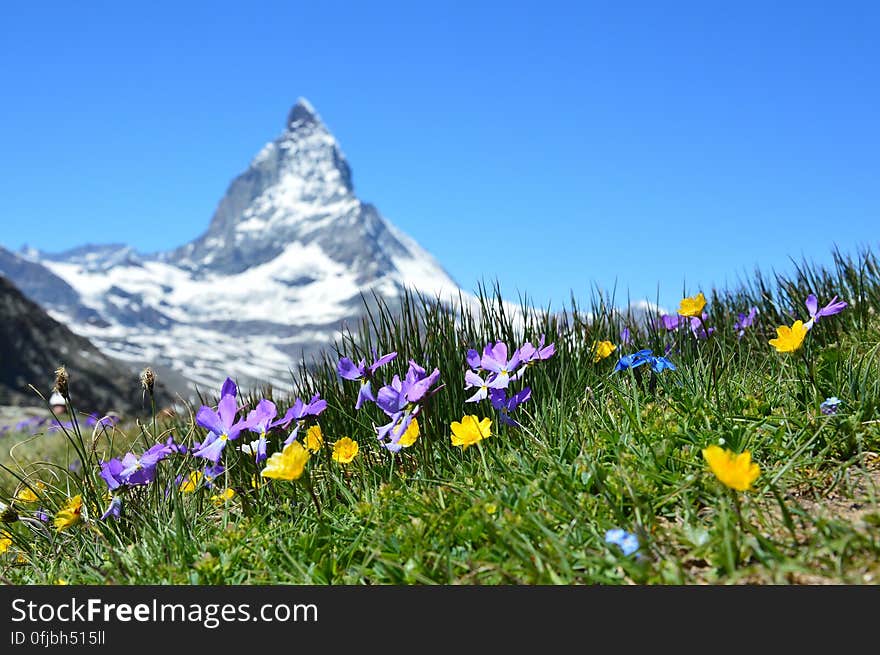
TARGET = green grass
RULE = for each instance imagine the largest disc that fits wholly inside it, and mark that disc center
(597, 450)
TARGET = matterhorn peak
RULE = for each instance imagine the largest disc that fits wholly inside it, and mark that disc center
(302, 113)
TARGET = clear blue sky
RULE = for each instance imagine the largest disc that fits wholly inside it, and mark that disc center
(555, 146)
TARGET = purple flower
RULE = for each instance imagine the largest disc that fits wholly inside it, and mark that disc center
(42, 515)
(348, 370)
(114, 510)
(176, 448)
(832, 308)
(142, 470)
(258, 421)
(299, 413)
(671, 322)
(228, 388)
(530, 354)
(634, 360)
(397, 396)
(628, 542)
(743, 321)
(506, 406)
(111, 472)
(389, 434)
(401, 401)
(829, 405)
(504, 370)
(211, 473)
(222, 425)
(625, 336)
(698, 327)
(472, 380)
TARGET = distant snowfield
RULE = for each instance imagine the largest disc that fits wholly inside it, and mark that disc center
(277, 276)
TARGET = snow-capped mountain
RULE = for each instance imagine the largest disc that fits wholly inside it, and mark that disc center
(278, 273)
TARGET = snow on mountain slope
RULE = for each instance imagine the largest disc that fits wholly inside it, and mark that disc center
(278, 273)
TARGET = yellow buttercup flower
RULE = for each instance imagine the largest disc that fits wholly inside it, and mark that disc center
(470, 431)
(289, 464)
(223, 497)
(692, 306)
(61, 581)
(5, 543)
(736, 471)
(601, 350)
(27, 495)
(191, 482)
(345, 450)
(789, 339)
(314, 439)
(70, 514)
(409, 437)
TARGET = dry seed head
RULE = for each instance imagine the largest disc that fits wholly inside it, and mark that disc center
(148, 379)
(61, 382)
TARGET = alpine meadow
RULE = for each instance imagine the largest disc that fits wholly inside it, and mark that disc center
(733, 440)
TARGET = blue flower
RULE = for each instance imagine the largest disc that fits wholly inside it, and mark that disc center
(627, 541)
(634, 360)
(114, 510)
(659, 364)
(829, 405)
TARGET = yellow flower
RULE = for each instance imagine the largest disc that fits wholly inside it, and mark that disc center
(602, 349)
(692, 306)
(289, 464)
(190, 482)
(345, 450)
(27, 494)
(789, 339)
(61, 581)
(409, 437)
(223, 497)
(735, 471)
(70, 514)
(314, 439)
(470, 431)
(5, 543)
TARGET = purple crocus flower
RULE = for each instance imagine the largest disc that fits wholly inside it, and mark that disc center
(743, 321)
(42, 515)
(832, 308)
(222, 425)
(348, 370)
(634, 360)
(114, 510)
(625, 336)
